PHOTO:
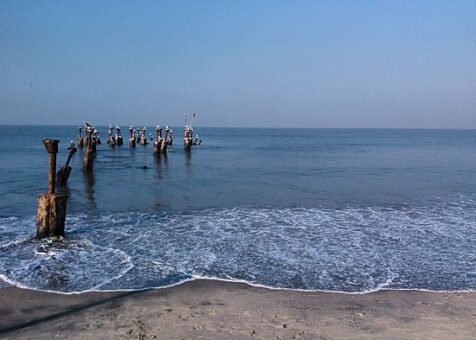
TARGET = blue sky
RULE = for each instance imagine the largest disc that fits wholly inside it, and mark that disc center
(409, 64)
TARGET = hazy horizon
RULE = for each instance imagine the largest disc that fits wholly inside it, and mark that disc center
(316, 64)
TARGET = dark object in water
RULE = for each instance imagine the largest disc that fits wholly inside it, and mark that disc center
(145, 167)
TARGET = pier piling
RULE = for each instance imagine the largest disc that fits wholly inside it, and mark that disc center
(64, 172)
(89, 153)
(80, 137)
(51, 211)
(132, 138)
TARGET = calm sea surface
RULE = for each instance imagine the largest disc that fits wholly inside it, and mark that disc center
(331, 209)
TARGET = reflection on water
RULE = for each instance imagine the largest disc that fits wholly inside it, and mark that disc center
(188, 161)
(161, 160)
(89, 181)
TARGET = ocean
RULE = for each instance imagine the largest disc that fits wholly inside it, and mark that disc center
(349, 210)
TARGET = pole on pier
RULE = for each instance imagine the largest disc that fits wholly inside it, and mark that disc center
(51, 212)
(132, 138)
(188, 139)
(64, 172)
(89, 154)
(143, 140)
(119, 140)
(80, 137)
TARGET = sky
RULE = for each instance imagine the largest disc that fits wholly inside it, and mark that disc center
(355, 64)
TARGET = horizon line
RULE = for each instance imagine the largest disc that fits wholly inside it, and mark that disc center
(266, 127)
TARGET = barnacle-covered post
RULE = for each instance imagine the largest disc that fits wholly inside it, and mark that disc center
(51, 211)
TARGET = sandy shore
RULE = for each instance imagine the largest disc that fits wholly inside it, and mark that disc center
(206, 309)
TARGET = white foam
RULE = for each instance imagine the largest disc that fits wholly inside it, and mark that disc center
(352, 250)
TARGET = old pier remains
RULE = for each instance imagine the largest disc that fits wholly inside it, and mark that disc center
(51, 210)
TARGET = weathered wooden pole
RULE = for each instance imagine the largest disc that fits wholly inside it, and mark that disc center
(88, 155)
(163, 144)
(93, 142)
(132, 137)
(119, 140)
(80, 137)
(64, 172)
(159, 141)
(143, 139)
(169, 135)
(51, 212)
(110, 136)
(138, 136)
(96, 136)
(188, 139)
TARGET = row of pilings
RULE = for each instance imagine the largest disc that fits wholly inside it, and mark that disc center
(51, 209)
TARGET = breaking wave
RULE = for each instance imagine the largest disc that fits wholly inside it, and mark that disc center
(355, 249)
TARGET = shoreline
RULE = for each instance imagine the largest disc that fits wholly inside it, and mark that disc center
(217, 279)
(208, 308)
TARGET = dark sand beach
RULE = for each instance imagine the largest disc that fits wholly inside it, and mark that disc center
(207, 309)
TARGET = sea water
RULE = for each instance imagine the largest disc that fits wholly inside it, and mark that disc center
(351, 210)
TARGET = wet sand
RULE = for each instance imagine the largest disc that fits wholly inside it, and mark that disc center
(207, 309)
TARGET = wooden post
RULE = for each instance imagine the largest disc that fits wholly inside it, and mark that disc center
(51, 212)
(64, 172)
(158, 139)
(80, 137)
(96, 136)
(110, 136)
(119, 140)
(132, 138)
(168, 135)
(88, 155)
(188, 139)
(143, 140)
